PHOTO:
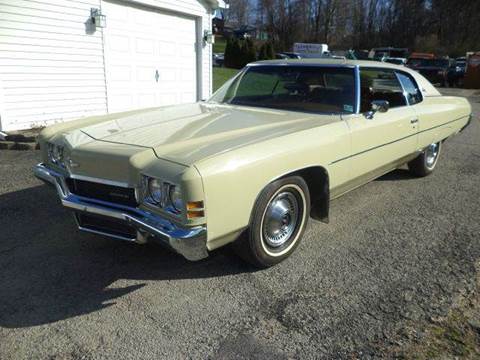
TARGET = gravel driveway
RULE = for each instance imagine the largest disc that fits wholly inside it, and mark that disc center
(397, 251)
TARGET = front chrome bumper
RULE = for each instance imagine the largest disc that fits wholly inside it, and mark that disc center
(189, 242)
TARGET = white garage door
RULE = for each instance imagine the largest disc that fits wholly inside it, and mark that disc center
(150, 57)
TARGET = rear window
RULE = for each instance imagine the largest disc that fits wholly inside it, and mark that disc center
(413, 93)
(296, 88)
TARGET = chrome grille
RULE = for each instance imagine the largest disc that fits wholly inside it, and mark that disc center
(110, 193)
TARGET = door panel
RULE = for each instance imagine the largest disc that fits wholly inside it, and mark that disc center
(386, 138)
(382, 140)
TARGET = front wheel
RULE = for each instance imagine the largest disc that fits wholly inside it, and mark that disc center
(278, 221)
(425, 163)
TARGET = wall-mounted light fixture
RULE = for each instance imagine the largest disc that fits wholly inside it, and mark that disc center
(208, 37)
(98, 19)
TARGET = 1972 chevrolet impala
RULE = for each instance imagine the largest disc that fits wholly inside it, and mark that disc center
(271, 148)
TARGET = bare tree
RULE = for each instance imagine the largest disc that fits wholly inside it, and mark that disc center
(364, 24)
(239, 12)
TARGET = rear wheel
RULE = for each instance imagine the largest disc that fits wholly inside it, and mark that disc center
(278, 221)
(425, 163)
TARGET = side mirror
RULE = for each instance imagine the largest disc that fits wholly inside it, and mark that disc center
(380, 106)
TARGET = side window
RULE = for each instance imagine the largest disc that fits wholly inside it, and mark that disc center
(380, 84)
(414, 94)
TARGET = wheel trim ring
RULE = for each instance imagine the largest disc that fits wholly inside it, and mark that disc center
(297, 230)
(280, 220)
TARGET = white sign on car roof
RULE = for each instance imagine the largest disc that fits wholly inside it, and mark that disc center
(310, 50)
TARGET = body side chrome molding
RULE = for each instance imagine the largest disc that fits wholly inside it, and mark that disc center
(394, 141)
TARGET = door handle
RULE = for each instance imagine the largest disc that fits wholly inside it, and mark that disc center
(413, 121)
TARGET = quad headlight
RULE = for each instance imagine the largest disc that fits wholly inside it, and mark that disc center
(163, 195)
(175, 197)
(56, 154)
(155, 191)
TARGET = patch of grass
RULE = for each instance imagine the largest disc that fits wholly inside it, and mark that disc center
(221, 75)
(451, 338)
(454, 335)
(220, 44)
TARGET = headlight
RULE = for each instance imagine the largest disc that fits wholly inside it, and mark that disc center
(163, 195)
(56, 154)
(155, 191)
(176, 198)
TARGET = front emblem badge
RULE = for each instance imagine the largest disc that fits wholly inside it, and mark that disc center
(72, 164)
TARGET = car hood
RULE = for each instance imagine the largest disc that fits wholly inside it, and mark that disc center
(189, 133)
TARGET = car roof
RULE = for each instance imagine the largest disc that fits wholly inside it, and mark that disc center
(328, 62)
(427, 88)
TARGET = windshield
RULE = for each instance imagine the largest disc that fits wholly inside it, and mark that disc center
(428, 62)
(295, 88)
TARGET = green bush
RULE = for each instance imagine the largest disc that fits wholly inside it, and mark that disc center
(236, 54)
(266, 52)
(250, 51)
(227, 54)
(239, 53)
(270, 51)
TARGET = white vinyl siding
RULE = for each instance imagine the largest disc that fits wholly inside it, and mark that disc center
(51, 70)
(52, 67)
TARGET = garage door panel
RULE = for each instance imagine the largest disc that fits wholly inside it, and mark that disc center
(168, 75)
(145, 74)
(168, 98)
(167, 48)
(120, 73)
(145, 46)
(141, 42)
(187, 97)
(146, 100)
(119, 43)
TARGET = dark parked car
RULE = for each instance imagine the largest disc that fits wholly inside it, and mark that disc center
(218, 59)
(461, 69)
(379, 54)
(438, 71)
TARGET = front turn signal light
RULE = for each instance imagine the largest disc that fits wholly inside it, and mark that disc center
(195, 205)
(195, 214)
(195, 209)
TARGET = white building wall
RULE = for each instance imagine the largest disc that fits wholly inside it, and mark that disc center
(207, 66)
(50, 68)
(52, 65)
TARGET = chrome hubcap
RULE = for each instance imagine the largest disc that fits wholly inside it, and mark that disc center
(431, 154)
(280, 220)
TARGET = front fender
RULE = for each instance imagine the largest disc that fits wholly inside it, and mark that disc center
(232, 181)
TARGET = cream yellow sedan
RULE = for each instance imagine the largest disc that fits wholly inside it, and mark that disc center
(270, 149)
